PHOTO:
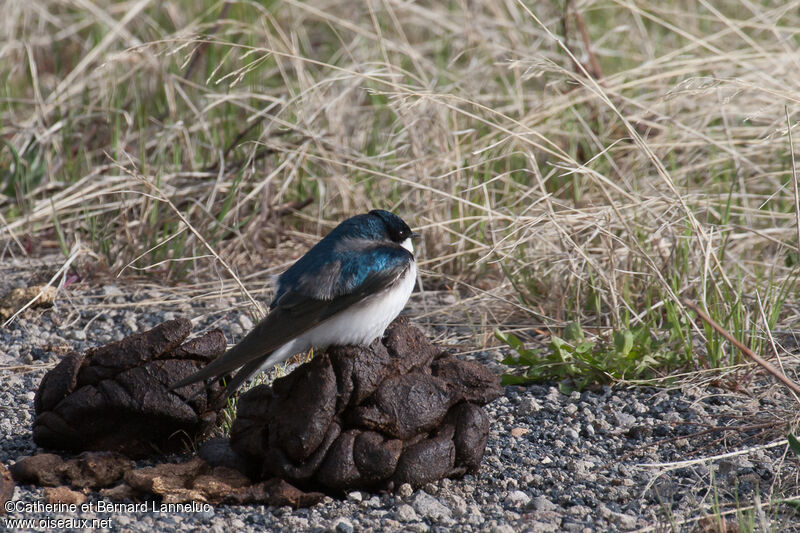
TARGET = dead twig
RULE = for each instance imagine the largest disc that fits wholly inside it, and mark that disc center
(766, 365)
(593, 68)
(594, 64)
(200, 51)
(291, 207)
(707, 431)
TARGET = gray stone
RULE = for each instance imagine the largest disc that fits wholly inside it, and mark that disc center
(544, 527)
(373, 502)
(624, 419)
(624, 521)
(456, 503)
(528, 406)
(343, 525)
(405, 491)
(406, 513)
(541, 503)
(245, 321)
(429, 507)
(518, 499)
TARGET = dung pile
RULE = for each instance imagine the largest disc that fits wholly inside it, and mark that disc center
(397, 411)
(115, 397)
(370, 417)
(116, 478)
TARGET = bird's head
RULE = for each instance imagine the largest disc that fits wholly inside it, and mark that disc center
(395, 229)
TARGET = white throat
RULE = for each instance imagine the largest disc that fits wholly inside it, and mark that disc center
(408, 245)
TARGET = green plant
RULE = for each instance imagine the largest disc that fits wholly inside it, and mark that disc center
(794, 445)
(631, 353)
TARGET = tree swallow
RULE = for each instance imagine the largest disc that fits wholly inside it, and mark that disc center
(345, 290)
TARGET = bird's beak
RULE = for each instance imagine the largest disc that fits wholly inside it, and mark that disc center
(415, 235)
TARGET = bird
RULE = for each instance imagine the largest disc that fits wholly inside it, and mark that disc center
(345, 290)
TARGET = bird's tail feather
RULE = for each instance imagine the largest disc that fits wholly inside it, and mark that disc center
(262, 363)
(235, 357)
(271, 336)
(244, 353)
(245, 373)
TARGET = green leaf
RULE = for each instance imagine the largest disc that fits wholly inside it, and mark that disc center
(573, 332)
(555, 339)
(557, 344)
(577, 363)
(511, 379)
(502, 337)
(62, 242)
(14, 176)
(793, 503)
(794, 444)
(529, 357)
(590, 358)
(510, 339)
(584, 347)
(623, 342)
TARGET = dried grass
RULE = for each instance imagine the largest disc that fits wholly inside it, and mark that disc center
(597, 164)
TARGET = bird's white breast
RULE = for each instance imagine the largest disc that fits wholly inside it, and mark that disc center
(360, 324)
(364, 322)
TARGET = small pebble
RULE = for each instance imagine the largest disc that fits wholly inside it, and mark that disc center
(343, 525)
(517, 499)
(406, 513)
(405, 491)
(519, 432)
(430, 507)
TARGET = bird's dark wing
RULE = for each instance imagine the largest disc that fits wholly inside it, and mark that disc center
(316, 297)
(244, 374)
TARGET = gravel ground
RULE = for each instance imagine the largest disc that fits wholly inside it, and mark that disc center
(554, 462)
